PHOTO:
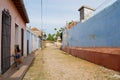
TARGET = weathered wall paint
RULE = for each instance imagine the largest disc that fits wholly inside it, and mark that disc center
(102, 30)
(107, 57)
(15, 19)
(34, 40)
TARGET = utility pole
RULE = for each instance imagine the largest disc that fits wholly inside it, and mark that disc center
(41, 14)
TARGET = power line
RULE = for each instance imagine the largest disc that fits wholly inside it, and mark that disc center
(105, 2)
(41, 14)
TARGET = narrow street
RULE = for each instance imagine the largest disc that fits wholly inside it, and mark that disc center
(54, 64)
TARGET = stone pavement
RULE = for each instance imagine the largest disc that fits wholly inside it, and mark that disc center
(54, 64)
(14, 74)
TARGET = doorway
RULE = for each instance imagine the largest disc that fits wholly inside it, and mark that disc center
(22, 41)
(5, 41)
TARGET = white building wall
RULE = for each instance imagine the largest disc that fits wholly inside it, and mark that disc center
(34, 41)
(25, 43)
(88, 13)
(30, 42)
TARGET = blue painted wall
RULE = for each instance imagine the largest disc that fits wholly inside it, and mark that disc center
(29, 39)
(102, 30)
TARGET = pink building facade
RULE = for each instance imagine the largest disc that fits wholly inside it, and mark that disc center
(13, 19)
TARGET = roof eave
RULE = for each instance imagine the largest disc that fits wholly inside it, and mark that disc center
(21, 9)
(84, 6)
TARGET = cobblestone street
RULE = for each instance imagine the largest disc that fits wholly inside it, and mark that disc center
(54, 64)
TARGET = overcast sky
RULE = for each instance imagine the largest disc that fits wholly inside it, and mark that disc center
(57, 12)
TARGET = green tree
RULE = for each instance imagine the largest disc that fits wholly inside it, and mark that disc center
(55, 29)
(58, 33)
(53, 37)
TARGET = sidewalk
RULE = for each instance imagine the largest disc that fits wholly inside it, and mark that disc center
(14, 74)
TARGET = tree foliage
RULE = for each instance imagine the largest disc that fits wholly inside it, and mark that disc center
(53, 37)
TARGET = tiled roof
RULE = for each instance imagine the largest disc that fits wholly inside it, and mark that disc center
(37, 31)
(71, 24)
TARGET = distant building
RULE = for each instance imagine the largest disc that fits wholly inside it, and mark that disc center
(13, 19)
(33, 41)
(39, 33)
